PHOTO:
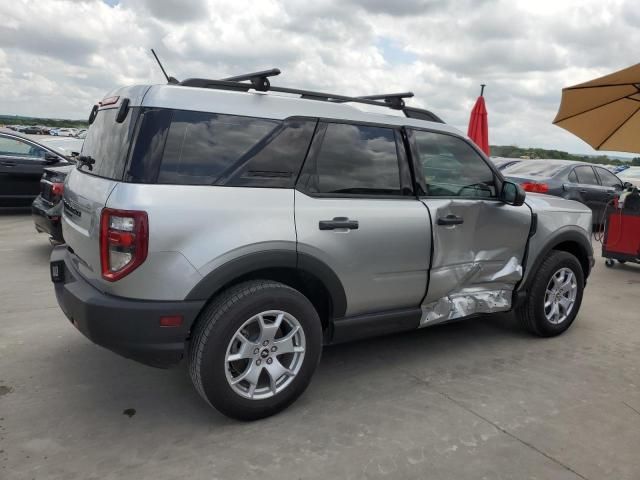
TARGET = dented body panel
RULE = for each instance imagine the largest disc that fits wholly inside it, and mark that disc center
(476, 265)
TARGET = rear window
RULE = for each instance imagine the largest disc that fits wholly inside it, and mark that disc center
(107, 143)
(534, 169)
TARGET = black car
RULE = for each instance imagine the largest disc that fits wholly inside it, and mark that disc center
(32, 129)
(22, 163)
(46, 209)
(590, 184)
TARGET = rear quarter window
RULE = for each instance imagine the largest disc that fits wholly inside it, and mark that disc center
(181, 147)
(202, 147)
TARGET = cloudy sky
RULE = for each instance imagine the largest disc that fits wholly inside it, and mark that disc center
(58, 57)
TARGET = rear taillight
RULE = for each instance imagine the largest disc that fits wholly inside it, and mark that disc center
(535, 187)
(124, 241)
(57, 189)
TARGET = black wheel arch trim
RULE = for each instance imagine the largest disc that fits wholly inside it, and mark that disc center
(323, 272)
(562, 237)
(214, 281)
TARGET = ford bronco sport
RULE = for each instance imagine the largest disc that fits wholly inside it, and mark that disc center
(242, 226)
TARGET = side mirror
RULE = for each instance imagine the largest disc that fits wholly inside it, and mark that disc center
(512, 194)
(627, 185)
(51, 158)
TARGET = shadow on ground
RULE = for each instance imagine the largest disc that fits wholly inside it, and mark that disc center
(126, 384)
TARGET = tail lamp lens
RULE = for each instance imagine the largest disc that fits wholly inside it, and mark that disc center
(57, 189)
(124, 242)
(535, 187)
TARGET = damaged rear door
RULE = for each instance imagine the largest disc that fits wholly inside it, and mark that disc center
(478, 241)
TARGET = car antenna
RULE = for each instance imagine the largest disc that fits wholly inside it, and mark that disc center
(170, 80)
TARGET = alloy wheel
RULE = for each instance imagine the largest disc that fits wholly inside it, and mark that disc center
(265, 355)
(560, 296)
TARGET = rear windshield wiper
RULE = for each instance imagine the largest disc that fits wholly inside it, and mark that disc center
(86, 160)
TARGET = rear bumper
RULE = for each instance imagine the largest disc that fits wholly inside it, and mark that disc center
(128, 327)
(47, 218)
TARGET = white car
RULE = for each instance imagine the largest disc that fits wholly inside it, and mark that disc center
(65, 132)
(631, 175)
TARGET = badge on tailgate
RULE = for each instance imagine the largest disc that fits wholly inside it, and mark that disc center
(70, 209)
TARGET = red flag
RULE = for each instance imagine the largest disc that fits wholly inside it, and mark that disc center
(478, 124)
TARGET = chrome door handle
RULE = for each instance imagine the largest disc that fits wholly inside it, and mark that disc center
(338, 222)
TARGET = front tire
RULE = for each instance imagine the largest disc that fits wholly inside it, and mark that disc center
(555, 295)
(255, 348)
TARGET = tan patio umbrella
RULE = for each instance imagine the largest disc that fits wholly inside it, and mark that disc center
(604, 112)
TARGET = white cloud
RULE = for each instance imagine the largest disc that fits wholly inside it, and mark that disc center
(58, 57)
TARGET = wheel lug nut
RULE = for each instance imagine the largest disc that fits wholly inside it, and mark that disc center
(265, 343)
(269, 360)
(274, 348)
(258, 362)
(256, 351)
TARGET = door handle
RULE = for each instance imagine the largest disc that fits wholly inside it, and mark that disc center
(338, 222)
(582, 190)
(450, 220)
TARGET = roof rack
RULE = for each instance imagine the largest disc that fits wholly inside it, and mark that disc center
(259, 81)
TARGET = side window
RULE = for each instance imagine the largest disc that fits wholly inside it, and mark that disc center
(586, 175)
(607, 178)
(573, 178)
(13, 147)
(357, 159)
(452, 168)
(200, 147)
(278, 162)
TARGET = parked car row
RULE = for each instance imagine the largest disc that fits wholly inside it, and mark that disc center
(44, 130)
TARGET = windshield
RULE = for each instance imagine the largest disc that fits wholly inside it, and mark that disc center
(534, 169)
(107, 143)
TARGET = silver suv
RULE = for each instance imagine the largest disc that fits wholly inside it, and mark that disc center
(242, 226)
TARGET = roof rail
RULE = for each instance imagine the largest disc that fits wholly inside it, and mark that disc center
(259, 81)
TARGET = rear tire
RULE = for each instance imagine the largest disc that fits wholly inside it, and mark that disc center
(555, 295)
(234, 360)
